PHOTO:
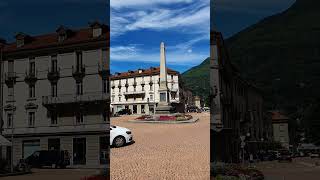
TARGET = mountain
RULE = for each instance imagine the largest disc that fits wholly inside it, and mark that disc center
(281, 55)
(197, 79)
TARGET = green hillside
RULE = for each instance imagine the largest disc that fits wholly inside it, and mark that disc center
(281, 54)
(197, 79)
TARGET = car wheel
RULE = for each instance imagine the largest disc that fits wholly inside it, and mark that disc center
(119, 141)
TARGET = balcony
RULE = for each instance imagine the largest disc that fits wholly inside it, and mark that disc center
(31, 77)
(53, 75)
(94, 97)
(10, 78)
(47, 130)
(78, 72)
(103, 71)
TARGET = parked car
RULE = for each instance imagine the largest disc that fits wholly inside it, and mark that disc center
(314, 155)
(124, 112)
(269, 156)
(193, 109)
(284, 155)
(48, 158)
(120, 136)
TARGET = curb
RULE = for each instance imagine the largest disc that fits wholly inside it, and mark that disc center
(14, 174)
(166, 122)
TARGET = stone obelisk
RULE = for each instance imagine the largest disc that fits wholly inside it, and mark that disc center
(164, 106)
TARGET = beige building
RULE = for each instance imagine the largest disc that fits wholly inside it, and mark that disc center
(280, 128)
(56, 94)
(139, 90)
(197, 101)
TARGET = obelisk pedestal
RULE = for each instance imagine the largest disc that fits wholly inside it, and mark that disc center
(164, 106)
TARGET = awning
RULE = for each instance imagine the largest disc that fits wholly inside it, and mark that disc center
(4, 141)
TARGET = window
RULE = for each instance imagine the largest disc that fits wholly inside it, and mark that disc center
(112, 99)
(151, 96)
(79, 61)
(119, 99)
(104, 86)
(10, 91)
(134, 88)
(142, 87)
(62, 37)
(54, 90)
(79, 88)
(151, 87)
(10, 67)
(96, 32)
(173, 95)
(20, 42)
(54, 144)
(142, 109)
(32, 93)
(31, 119)
(9, 120)
(54, 63)
(127, 89)
(104, 146)
(172, 78)
(79, 118)
(32, 67)
(54, 119)
(104, 116)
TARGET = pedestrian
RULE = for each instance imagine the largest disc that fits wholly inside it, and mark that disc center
(251, 158)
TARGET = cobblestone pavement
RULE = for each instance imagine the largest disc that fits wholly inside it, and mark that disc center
(300, 168)
(54, 174)
(163, 151)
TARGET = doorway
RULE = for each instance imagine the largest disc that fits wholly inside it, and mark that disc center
(79, 151)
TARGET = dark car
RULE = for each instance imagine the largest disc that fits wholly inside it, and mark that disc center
(124, 112)
(285, 155)
(42, 158)
(193, 109)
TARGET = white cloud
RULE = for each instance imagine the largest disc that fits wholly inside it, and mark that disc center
(138, 3)
(132, 53)
(194, 19)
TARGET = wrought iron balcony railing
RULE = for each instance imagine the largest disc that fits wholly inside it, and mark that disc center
(73, 98)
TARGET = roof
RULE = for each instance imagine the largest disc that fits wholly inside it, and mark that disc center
(51, 40)
(277, 116)
(142, 72)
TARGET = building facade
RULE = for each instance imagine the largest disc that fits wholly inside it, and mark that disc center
(56, 94)
(280, 128)
(236, 108)
(139, 90)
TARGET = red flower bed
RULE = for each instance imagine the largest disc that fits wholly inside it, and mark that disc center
(167, 118)
(144, 117)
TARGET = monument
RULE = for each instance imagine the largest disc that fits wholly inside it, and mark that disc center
(164, 106)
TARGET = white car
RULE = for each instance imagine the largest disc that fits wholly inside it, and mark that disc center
(119, 136)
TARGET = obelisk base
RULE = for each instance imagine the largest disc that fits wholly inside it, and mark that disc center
(164, 109)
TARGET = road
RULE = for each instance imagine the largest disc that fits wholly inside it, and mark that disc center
(54, 174)
(300, 168)
(163, 151)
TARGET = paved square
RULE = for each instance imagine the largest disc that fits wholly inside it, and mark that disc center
(163, 151)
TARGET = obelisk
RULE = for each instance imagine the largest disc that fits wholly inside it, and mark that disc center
(164, 106)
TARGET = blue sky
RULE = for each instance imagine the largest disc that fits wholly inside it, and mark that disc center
(232, 16)
(139, 26)
(42, 16)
